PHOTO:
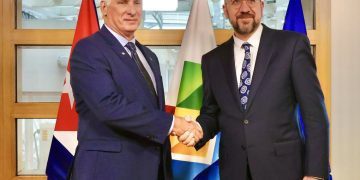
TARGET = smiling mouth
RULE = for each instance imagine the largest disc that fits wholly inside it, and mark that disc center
(246, 20)
(131, 20)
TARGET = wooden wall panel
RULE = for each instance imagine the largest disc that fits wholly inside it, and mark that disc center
(323, 53)
(8, 63)
(323, 48)
(147, 37)
(2, 134)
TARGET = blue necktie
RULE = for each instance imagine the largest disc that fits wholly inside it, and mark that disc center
(131, 46)
(245, 77)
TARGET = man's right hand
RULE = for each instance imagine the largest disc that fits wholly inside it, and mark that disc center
(180, 126)
(188, 132)
(191, 138)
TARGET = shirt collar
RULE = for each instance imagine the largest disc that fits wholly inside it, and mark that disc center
(254, 39)
(123, 41)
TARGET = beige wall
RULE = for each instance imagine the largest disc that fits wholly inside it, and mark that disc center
(345, 37)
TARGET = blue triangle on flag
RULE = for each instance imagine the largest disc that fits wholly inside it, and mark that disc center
(60, 160)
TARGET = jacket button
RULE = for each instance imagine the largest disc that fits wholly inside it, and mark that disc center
(246, 121)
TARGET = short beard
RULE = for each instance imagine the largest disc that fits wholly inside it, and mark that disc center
(245, 31)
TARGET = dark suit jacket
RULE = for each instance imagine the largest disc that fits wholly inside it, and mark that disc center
(123, 129)
(265, 136)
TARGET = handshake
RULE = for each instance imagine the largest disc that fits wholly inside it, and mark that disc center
(188, 132)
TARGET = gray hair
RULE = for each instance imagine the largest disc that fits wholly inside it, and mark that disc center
(107, 1)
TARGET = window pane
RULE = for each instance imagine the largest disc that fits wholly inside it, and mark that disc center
(309, 13)
(158, 14)
(33, 144)
(275, 11)
(40, 14)
(41, 72)
(167, 56)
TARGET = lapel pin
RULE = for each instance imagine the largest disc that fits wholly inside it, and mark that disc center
(123, 53)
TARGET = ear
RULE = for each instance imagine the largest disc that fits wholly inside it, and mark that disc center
(226, 13)
(103, 8)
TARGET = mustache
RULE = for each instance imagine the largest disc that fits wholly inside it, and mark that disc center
(245, 15)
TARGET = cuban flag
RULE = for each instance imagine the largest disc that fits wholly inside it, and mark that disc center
(185, 96)
(64, 141)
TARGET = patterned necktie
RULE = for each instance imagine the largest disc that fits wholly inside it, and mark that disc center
(131, 46)
(245, 77)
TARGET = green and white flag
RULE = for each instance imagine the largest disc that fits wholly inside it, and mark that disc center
(185, 94)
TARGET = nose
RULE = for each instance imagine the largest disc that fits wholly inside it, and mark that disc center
(244, 7)
(131, 9)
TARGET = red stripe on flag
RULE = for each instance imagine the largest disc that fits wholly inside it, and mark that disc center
(67, 119)
(87, 25)
(170, 109)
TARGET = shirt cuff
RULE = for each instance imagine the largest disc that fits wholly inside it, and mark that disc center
(199, 125)
(317, 178)
(172, 126)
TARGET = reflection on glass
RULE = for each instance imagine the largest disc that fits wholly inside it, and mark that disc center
(313, 48)
(158, 14)
(41, 72)
(167, 56)
(33, 144)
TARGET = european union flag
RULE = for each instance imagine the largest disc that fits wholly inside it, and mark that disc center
(295, 21)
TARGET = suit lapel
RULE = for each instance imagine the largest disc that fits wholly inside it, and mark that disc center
(120, 51)
(262, 61)
(228, 63)
(152, 61)
(124, 57)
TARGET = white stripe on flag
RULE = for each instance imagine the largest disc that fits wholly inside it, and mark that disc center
(192, 158)
(198, 39)
(68, 139)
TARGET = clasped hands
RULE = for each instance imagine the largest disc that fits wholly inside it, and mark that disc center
(188, 132)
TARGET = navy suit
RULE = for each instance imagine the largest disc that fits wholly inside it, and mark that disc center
(264, 139)
(123, 129)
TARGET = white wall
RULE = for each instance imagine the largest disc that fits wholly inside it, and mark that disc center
(345, 36)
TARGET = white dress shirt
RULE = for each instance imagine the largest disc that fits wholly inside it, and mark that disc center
(123, 41)
(239, 52)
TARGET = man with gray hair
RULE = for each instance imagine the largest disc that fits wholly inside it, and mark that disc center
(123, 129)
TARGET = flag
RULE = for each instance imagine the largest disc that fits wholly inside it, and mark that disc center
(295, 21)
(185, 94)
(64, 141)
(294, 18)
